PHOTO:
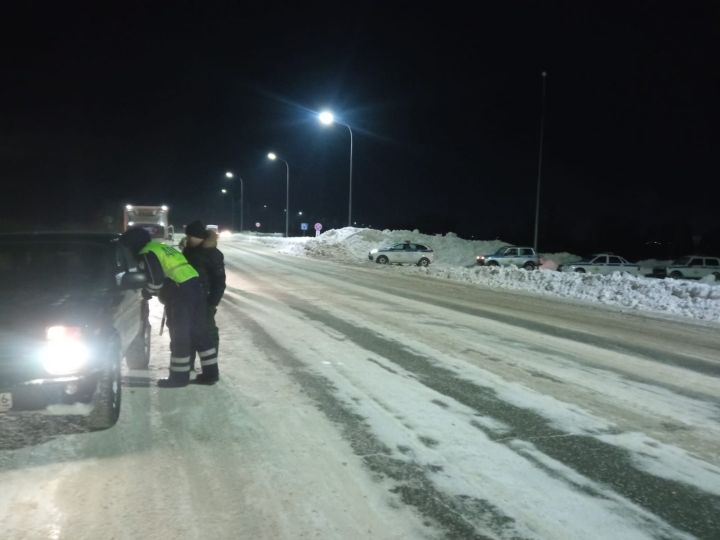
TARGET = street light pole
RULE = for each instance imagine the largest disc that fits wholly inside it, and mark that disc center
(542, 133)
(351, 163)
(230, 176)
(232, 204)
(287, 197)
(232, 208)
(242, 201)
(327, 118)
(272, 157)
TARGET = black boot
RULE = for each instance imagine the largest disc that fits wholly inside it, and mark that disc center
(209, 375)
(174, 381)
(203, 378)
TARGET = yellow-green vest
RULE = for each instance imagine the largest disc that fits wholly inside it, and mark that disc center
(173, 263)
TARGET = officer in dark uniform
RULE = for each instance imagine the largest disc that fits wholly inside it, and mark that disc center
(202, 253)
(185, 302)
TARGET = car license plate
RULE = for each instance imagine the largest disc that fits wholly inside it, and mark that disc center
(5, 402)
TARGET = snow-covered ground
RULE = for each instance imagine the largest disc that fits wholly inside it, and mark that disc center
(455, 260)
(369, 402)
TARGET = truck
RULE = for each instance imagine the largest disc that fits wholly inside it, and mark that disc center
(154, 219)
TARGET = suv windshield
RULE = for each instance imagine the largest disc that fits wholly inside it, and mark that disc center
(682, 261)
(42, 265)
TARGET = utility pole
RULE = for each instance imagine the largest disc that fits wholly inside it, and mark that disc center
(540, 152)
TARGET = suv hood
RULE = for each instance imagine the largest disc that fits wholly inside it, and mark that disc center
(30, 311)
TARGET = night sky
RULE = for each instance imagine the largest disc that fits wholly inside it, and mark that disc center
(150, 104)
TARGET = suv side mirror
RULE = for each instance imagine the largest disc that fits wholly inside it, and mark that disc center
(133, 280)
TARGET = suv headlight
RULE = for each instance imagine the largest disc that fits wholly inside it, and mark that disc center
(65, 351)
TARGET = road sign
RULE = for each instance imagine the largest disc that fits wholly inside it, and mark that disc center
(318, 227)
(303, 226)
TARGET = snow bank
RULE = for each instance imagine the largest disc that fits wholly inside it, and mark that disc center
(455, 260)
(686, 298)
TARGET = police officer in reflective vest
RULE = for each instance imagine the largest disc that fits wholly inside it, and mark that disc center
(185, 301)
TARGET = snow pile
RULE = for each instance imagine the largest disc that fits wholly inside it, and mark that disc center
(288, 246)
(686, 298)
(350, 244)
(455, 260)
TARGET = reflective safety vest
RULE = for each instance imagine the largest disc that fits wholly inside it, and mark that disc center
(173, 263)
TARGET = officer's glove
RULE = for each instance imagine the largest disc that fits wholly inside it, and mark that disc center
(146, 294)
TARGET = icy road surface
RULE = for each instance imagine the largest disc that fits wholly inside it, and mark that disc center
(357, 402)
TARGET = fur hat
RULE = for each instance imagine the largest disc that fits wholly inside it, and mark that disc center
(196, 229)
(135, 239)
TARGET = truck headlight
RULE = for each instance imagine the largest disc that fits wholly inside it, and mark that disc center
(64, 352)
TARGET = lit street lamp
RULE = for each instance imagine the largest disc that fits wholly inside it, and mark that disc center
(229, 175)
(327, 118)
(272, 157)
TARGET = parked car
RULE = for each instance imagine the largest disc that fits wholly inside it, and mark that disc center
(694, 267)
(602, 263)
(524, 257)
(404, 253)
(70, 311)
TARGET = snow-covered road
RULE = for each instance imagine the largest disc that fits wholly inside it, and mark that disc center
(358, 402)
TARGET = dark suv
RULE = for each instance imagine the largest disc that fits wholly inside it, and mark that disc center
(70, 311)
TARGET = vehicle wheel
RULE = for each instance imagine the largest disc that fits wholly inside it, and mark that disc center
(580, 270)
(138, 353)
(382, 259)
(675, 274)
(492, 263)
(424, 261)
(529, 265)
(107, 398)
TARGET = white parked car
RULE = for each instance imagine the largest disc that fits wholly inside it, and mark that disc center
(694, 267)
(405, 253)
(602, 263)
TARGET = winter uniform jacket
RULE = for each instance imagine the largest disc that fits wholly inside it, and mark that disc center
(162, 264)
(209, 262)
